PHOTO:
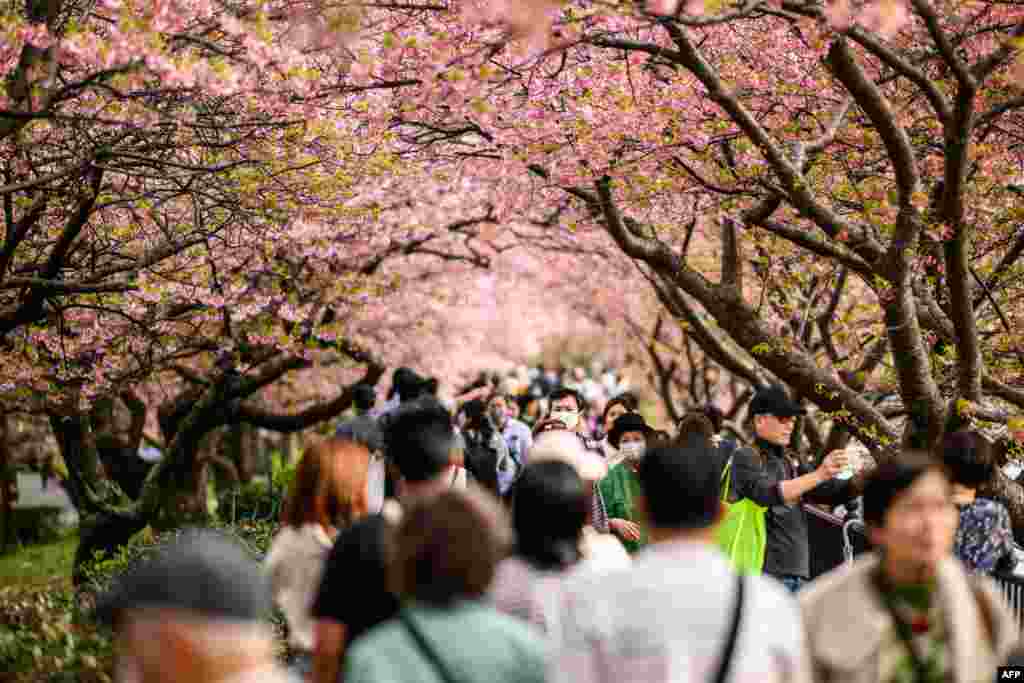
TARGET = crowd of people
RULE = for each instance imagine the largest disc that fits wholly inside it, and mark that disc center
(507, 538)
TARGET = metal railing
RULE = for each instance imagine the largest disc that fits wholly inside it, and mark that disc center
(834, 541)
(1012, 588)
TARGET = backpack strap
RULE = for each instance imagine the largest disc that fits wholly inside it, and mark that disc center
(426, 648)
(725, 481)
(725, 661)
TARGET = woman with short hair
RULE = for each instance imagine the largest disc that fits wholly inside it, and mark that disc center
(442, 562)
(984, 537)
(616, 407)
(549, 510)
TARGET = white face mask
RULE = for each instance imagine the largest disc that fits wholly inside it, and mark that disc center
(570, 418)
(632, 450)
(1013, 469)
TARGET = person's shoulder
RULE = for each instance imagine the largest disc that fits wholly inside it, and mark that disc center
(840, 591)
(774, 610)
(768, 594)
(746, 455)
(365, 535)
(988, 506)
(522, 637)
(286, 537)
(515, 629)
(376, 642)
(519, 425)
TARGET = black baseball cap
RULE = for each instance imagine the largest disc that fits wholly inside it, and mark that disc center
(202, 571)
(773, 400)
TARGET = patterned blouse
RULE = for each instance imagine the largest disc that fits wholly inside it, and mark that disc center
(984, 539)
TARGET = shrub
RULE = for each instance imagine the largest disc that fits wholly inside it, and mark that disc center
(35, 524)
(258, 500)
(47, 632)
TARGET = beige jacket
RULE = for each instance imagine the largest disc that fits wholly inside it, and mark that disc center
(847, 623)
(295, 563)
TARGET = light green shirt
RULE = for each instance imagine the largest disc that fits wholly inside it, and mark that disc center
(476, 642)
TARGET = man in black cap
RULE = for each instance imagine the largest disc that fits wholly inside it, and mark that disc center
(196, 611)
(679, 612)
(780, 480)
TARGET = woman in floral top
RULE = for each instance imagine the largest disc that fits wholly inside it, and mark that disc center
(984, 538)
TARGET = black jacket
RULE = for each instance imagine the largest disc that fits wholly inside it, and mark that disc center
(757, 474)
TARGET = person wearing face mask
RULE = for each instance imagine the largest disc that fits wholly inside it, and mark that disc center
(517, 435)
(567, 406)
(616, 408)
(621, 487)
(774, 477)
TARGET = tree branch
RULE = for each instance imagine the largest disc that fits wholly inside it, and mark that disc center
(871, 100)
(61, 287)
(313, 415)
(732, 268)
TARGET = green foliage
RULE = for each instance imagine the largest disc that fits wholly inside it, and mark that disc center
(260, 500)
(38, 563)
(47, 635)
(46, 630)
(36, 524)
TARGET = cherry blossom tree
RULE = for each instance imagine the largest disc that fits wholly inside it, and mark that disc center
(850, 170)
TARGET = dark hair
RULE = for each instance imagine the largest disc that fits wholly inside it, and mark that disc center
(694, 422)
(681, 484)
(891, 478)
(548, 514)
(562, 392)
(659, 437)
(419, 438)
(626, 399)
(474, 411)
(969, 457)
(447, 547)
(364, 397)
(401, 380)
